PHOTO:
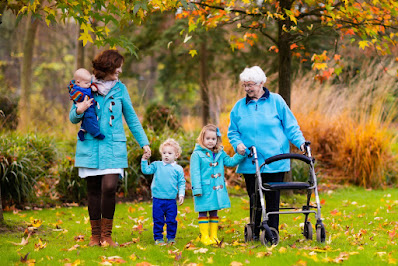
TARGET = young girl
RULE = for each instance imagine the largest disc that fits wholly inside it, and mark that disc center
(208, 184)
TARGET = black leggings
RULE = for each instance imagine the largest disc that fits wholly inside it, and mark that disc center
(272, 199)
(101, 192)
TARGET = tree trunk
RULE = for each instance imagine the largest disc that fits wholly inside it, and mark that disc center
(285, 67)
(285, 56)
(79, 50)
(1, 208)
(26, 71)
(204, 81)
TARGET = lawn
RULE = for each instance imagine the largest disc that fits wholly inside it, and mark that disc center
(361, 225)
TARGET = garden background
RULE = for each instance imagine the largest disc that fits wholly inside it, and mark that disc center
(334, 63)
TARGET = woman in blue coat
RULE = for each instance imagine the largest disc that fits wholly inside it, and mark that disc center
(102, 162)
(207, 177)
(263, 119)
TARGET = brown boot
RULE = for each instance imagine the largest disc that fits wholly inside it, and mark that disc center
(95, 233)
(106, 233)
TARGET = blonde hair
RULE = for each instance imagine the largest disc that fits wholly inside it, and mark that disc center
(172, 143)
(201, 138)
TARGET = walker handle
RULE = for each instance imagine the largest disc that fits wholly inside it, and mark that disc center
(284, 156)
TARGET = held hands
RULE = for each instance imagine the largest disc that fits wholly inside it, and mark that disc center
(241, 149)
(81, 107)
(147, 152)
(180, 200)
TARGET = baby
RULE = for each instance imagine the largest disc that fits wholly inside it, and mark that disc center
(79, 88)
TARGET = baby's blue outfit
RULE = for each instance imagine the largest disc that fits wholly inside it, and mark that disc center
(89, 121)
(168, 181)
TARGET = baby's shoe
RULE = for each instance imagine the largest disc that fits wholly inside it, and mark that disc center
(160, 242)
(80, 134)
(100, 136)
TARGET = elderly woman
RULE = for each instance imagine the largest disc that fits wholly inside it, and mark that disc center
(262, 119)
(101, 162)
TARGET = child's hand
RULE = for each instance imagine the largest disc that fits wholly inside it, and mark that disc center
(146, 156)
(94, 88)
(180, 200)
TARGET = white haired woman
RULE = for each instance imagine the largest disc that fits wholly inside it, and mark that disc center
(264, 120)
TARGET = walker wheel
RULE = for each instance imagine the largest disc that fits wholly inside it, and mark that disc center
(269, 236)
(248, 233)
(307, 232)
(320, 233)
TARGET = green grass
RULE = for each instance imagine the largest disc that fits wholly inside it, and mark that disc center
(361, 230)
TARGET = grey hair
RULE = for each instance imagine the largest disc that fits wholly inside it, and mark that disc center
(255, 74)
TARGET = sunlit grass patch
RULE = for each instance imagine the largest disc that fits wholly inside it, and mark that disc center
(361, 229)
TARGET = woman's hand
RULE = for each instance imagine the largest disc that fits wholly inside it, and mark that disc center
(81, 107)
(241, 149)
(147, 151)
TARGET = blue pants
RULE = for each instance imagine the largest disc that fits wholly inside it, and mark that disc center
(164, 211)
(90, 122)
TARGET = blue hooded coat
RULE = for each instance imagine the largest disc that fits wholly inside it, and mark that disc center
(207, 178)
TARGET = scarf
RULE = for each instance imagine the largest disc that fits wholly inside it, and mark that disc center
(104, 86)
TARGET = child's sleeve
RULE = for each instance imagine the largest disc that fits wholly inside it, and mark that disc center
(148, 169)
(181, 182)
(232, 161)
(195, 174)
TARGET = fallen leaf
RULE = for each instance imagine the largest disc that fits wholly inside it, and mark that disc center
(201, 250)
(144, 263)
(263, 254)
(133, 257)
(139, 247)
(40, 245)
(236, 263)
(79, 238)
(24, 258)
(24, 241)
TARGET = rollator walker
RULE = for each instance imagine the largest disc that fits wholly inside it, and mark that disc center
(270, 235)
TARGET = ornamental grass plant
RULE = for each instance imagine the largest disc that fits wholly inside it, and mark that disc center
(352, 127)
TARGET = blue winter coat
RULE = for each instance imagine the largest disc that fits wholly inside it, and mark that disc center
(269, 125)
(207, 178)
(110, 152)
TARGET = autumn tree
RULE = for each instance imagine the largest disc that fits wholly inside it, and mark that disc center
(289, 24)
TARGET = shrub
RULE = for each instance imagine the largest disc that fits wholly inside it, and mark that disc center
(71, 188)
(23, 160)
(8, 112)
(351, 129)
(138, 183)
(160, 117)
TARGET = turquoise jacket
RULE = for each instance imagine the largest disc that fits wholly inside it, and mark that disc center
(110, 152)
(168, 180)
(269, 125)
(207, 178)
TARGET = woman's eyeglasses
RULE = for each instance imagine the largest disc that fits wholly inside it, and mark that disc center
(248, 85)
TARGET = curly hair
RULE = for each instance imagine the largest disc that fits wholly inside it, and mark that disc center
(201, 138)
(106, 62)
(255, 74)
(172, 143)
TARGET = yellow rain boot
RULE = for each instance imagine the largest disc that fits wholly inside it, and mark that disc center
(204, 230)
(213, 223)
